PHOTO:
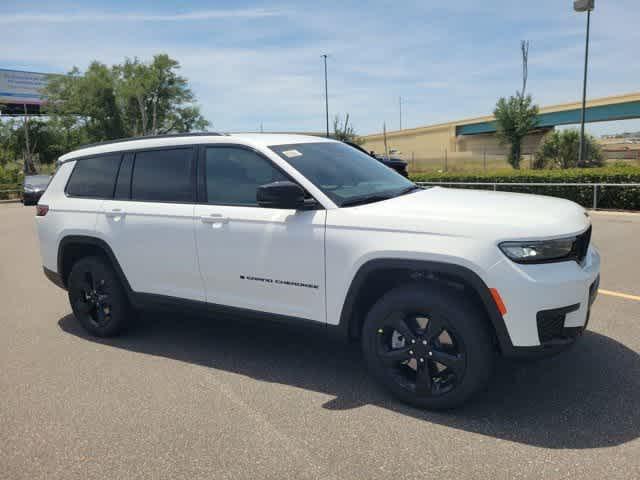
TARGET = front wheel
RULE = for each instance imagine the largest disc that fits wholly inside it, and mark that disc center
(428, 345)
(97, 297)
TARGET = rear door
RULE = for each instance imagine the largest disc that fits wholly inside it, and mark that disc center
(149, 223)
(264, 259)
(91, 181)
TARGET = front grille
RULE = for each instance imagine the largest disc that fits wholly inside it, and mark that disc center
(581, 245)
(551, 323)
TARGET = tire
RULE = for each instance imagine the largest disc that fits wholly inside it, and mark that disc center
(428, 346)
(97, 298)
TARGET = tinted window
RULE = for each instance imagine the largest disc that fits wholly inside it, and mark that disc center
(234, 175)
(162, 176)
(94, 177)
(345, 174)
(123, 184)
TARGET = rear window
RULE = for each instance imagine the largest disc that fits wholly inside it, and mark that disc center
(94, 177)
(163, 176)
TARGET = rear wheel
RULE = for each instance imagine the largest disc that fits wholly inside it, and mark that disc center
(97, 298)
(428, 346)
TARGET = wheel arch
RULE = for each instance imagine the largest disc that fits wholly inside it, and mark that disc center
(377, 276)
(74, 247)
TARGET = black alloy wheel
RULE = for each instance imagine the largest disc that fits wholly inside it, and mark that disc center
(93, 300)
(421, 352)
(428, 344)
(97, 297)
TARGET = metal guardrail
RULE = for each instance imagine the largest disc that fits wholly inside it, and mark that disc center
(495, 185)
(8, 198)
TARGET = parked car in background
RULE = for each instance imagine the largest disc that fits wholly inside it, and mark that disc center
(394, 163)
(33, 188)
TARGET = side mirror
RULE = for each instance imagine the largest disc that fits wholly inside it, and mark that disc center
(286, 194)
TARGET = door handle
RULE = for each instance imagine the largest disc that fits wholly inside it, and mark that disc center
(115, 212)
(214, 218)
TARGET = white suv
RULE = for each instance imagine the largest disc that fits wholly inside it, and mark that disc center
(433, 282)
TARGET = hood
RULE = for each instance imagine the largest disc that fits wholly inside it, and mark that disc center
(474, 213)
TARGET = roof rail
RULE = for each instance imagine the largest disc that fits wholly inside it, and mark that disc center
(150, 137)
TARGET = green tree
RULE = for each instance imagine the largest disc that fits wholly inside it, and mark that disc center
(559, 149)
(515, 117)
(89, 99)
(155, 99)
(130, 99)
(6, 134)
(345, 132)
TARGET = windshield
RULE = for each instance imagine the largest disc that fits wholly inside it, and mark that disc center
(344, 174)
(37, 180)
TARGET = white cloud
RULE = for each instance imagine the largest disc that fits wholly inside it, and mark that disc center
(92, 17)
(447, 64)
(434, 84)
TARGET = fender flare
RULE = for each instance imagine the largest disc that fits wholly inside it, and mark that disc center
(94, 242)
(423, 268)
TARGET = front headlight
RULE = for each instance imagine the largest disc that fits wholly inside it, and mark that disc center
(540, 252)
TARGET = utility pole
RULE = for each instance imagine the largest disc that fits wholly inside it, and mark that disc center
(326, 93)
(400, 105)
(584, 6)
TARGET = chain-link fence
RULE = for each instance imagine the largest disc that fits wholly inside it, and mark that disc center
(486, 160)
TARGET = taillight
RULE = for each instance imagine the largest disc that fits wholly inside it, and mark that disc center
(41, 210)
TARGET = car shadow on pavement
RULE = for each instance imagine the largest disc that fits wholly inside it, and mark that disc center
(585, 398)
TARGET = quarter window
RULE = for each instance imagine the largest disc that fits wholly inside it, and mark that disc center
(233, 175)
(163, 176)
(94, 177)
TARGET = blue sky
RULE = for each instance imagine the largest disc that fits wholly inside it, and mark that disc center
(259, 62)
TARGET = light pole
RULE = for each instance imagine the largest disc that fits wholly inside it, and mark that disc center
(400, 105)
(584, 6)
(326, 94)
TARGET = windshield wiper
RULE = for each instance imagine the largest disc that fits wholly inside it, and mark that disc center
(410, 189)
(378, 197)
(352, 202)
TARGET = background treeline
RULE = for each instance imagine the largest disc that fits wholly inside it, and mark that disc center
(133, 98)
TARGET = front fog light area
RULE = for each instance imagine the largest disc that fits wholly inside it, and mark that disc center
(539, 252)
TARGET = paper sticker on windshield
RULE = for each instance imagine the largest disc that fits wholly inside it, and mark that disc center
(291, 153)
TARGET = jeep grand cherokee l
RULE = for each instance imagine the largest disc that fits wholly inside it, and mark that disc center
(433, 283)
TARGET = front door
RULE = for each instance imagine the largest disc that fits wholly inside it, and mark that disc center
(264, 259)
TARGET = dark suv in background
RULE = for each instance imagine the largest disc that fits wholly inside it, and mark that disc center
(33, 188)
(394, 163)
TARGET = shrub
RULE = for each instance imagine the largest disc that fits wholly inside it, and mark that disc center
(560, 149)
(10, 179)
(622, 198)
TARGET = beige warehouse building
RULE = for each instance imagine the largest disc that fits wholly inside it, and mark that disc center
(474, 140)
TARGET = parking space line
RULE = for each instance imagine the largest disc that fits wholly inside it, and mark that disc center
(618, 294)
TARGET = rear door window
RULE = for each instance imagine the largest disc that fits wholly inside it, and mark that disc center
(163, 176)
(94, 177)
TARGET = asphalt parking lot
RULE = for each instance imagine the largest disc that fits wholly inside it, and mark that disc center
(185, 397)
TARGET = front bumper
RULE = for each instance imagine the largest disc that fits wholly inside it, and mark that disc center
(548, 305)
